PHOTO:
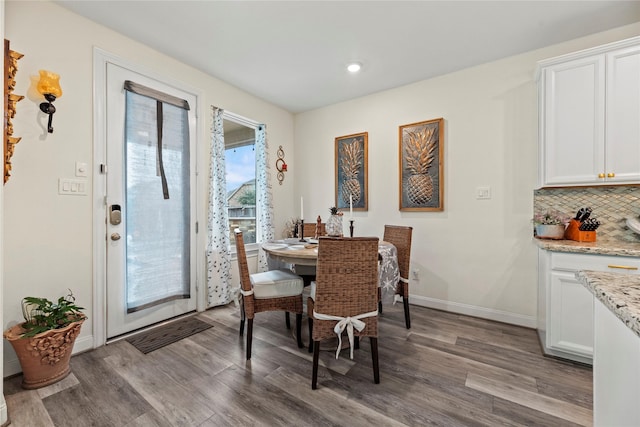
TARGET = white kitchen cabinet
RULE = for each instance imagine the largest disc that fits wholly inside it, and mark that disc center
(565, 306)
(589, 109)
(616, 371)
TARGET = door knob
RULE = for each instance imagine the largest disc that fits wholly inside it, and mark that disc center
(115, 236)
(611, 175)
(600, 175)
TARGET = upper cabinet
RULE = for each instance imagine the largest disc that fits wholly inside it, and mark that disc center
(589, 110)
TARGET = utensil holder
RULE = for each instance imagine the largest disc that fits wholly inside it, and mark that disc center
(574, 233)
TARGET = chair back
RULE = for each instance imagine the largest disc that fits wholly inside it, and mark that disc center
(400, 237)
(347, 276)
(243, 271)
(310, 230)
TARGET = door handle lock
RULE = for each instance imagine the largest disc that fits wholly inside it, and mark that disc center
(115, 214)
(115, 236)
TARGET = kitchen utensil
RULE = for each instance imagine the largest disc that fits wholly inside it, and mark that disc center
(589, 224)
(581, 212)
(585, 215)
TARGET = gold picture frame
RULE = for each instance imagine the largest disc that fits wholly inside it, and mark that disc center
(351, 154)
(421, 166)
(10, 99)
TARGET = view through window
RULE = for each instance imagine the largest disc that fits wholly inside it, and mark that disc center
(240, 161)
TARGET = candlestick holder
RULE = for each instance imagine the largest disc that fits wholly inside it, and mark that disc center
(301, 232)
(350, 228)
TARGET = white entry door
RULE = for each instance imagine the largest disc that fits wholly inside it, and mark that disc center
(150, 202)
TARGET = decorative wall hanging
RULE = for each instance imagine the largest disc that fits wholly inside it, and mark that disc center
(281, 166)
(10, 99)
(351, 171)
(421, 166)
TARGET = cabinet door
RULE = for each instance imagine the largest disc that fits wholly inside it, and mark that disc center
(622, 155)
(572, 150)
(570, 315)
(616, 371)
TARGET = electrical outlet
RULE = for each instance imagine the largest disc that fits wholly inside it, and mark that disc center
(414, 274)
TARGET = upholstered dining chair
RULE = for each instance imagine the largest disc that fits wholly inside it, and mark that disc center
(344, 297)
(400, 237)
(273, 290)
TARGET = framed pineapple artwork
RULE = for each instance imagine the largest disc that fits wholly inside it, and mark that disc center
(421, 166)
(351, 172)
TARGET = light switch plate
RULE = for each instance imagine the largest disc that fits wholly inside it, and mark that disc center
(72, 187)
(483, 193)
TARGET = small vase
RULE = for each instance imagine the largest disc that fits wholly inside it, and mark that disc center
(550, 231)
(333, 227)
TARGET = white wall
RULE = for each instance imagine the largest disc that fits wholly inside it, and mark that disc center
(477, 256)
(47, 238)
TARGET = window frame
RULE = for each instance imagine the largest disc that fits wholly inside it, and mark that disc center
(250, 248)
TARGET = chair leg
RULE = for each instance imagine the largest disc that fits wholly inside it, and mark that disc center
(249, 337)
(316, 358)
(407, 318)
(310, 334)
(287, 319)
(242, 318)
(379, 300)
(374, 358)
(379, 307)
(356, 342)
(299, 329)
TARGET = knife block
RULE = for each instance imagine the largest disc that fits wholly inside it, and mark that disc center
(573, 233)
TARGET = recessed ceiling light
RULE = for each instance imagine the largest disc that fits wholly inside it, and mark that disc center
(354, 67)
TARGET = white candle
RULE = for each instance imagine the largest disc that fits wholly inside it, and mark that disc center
(301, 208)
(351, 205)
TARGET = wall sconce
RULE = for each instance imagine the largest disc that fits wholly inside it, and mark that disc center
(49, 87)
(281, 166)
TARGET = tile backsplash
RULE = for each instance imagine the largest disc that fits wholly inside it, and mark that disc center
(611, 206)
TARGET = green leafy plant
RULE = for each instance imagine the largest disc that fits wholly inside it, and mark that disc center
(41, 314)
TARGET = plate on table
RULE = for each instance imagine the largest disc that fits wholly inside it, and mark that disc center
(292, 241)
(270, 246)
(295, 247)
(312, 241)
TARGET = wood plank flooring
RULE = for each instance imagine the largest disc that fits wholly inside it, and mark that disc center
(448, 370)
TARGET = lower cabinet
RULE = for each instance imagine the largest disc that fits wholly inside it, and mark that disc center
(565, 306)
(616, 371)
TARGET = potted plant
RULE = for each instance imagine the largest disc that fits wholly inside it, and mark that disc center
(333, 226)
(550, 224)
(44, 341)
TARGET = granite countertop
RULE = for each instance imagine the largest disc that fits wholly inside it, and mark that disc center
(604, 247)
(619, 292)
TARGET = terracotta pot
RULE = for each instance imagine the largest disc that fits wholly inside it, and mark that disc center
(44, 358)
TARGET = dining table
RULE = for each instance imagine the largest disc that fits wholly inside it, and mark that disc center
(295, 252)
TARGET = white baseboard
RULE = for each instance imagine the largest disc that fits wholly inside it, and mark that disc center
(12, 366)
(475, 311)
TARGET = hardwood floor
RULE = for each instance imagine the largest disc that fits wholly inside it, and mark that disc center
(448, 370)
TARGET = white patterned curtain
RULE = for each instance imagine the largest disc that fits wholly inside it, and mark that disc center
(220, 291)
(264, 198)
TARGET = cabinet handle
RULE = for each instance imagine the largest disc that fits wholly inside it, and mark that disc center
(624, 267)
(600, 175)
(611, 175)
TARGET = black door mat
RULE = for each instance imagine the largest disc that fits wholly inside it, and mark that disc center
(158, 337)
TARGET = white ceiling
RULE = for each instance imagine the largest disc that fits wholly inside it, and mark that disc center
(293, 53)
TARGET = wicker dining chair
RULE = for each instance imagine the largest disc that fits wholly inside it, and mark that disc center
(309, 230)
(273, 290)
(400, 237)
(345, 294)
